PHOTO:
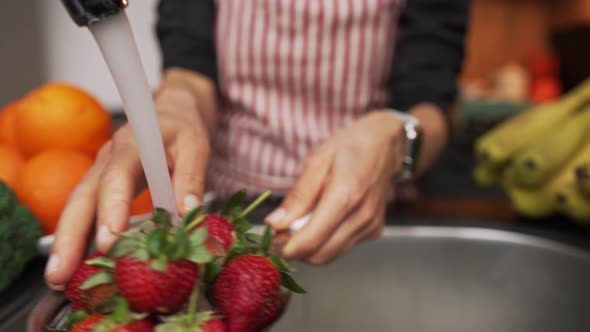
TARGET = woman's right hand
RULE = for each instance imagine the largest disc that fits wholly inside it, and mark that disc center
(110, 185)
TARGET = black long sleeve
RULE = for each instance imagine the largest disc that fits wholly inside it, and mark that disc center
(429, 52)
(185, 31)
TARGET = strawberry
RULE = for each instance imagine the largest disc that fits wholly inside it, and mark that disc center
(247, 290)
(93, 324)
(225, 227)
(220, 234)
(213, 325)
(83, 292)
(88, 324)
(120, 320)
(192, 320)
(157, 265)
(149, 290)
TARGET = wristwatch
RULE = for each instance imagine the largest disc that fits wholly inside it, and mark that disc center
(413, 144)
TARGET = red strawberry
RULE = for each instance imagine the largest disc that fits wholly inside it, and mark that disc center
(247, 291)
(214, 325)
(88, 324)
(149, 290)
(220, 234)
(93, 323)
(157, 265)
(90, 298)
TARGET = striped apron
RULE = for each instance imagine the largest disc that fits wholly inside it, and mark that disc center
(291, 72)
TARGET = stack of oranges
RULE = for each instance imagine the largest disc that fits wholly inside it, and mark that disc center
(49, 139)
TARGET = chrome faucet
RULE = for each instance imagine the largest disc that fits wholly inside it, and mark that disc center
(86, 12)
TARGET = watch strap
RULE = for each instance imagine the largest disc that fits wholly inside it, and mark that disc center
(413, 140)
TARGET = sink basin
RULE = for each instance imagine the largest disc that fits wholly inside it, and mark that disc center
(446, 279)
(435, 279)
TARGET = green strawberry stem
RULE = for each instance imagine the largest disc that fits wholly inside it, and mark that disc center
(188, 218)
(254, 204)
(196, 222)
(192, 302)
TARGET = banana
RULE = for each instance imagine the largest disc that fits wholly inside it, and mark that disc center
(583, 178)
(542, 159)
(498, 145)
(486, 176)
(532, 203)
(572, 203)
(565, 191)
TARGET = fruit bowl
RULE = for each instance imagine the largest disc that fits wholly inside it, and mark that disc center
(446, 279)
(435, 278)
(52, 309)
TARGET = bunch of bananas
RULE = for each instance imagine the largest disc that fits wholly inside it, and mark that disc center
(541, 157)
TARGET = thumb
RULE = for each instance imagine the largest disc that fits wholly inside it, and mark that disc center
(304, 194)
(190, 167)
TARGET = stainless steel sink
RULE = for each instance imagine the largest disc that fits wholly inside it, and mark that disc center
(435, 279)
(439, 279)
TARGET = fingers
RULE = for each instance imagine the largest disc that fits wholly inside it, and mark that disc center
(74, 226)
(304, 194)
(365, 223)
(190, 167)
(342, 194)
(117, 188)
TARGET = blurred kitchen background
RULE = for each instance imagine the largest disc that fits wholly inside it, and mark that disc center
(40, 42)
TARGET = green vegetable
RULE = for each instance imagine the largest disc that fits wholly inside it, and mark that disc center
(7, 199)
(19, 233)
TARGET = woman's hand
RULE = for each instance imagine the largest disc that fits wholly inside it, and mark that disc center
(108, 188)
(345, 182)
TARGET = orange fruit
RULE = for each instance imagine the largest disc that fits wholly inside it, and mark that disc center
(46, 181)
(11, 162)
(58, 115)
(142, 204)
(7, 124)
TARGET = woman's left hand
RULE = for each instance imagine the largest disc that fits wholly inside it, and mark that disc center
(344, 182)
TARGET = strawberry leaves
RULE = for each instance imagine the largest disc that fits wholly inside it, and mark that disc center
(288, 282)
(158, 242)
(251, 243)
(105, 276)
(104, 262)
(266, 241)
(120, 315)
(232, 209)
(162, 218)
(100, 278)
(75, 318)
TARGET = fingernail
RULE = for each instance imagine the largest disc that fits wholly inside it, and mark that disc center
(104, 236)
(276, 216)
(56, 287)
(190, 202)
(52, 264)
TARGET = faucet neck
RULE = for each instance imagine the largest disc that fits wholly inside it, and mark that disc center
(85, 12)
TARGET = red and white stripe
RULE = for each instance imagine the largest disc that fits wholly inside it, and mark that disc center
(292, 72)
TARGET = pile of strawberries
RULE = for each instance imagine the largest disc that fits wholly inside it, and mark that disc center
(209, 273)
